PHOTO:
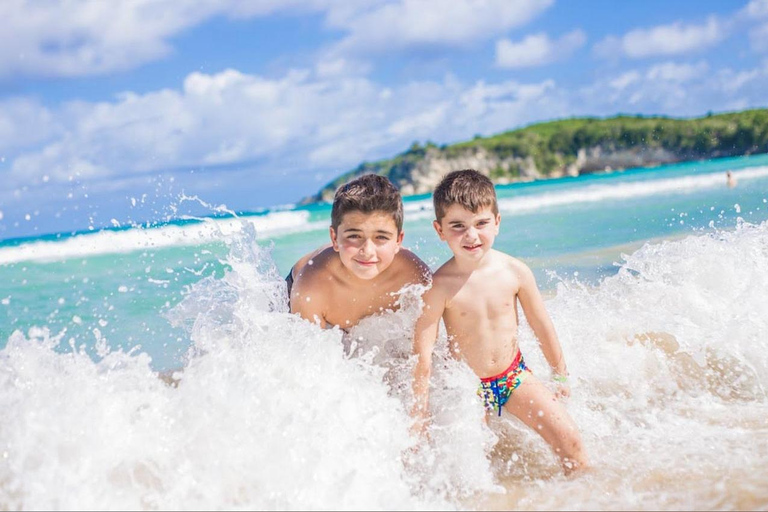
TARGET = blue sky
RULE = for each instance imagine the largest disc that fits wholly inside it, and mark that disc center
(109, 110)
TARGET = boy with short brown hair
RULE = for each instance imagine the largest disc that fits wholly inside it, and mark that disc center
(364, 267)
(476, 294)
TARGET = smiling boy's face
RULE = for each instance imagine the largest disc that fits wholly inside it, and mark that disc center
(366, 242)
(469, 235)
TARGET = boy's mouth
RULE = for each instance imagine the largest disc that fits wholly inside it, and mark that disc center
(366, 263)
(473, 247)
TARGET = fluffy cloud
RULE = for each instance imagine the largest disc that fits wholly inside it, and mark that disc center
(76, 37)
(677, 73)
(85, 37)
(537, 49)
(296, 122)
(757, 9)
(680, 89)
(24, 122)
(758, 38)
(755, 13)
(428, 23)
(673, 39)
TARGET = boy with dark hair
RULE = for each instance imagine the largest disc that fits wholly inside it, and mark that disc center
(364, 267)
(476, 294)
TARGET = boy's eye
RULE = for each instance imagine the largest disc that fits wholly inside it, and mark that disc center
(382, 237)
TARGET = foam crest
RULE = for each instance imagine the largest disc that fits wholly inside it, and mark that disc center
(696, 304)
(668, 362)
(138, 239)
(598, 193)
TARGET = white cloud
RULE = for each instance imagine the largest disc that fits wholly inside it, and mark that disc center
(624, 80)
(339, 66)
(678, 89)
(86, 37)
(24, 122)
(758, 38)
(755, 13)
(403, 24)
(756, 9)
(679, 73)
(296, 122)
(674, 39)
(537, 49)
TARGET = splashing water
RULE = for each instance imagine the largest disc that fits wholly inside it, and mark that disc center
(668, 361)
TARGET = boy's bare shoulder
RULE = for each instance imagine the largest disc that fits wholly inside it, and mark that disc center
(447, 276)
(411, 266)
(302, 262)
(513, 265)
(316, 271)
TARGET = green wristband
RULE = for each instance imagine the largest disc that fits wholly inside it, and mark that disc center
(560, 378)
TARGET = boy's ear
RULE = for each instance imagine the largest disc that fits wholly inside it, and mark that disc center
(438, 229)
(334, 241)
(400, 240)
(498, 221)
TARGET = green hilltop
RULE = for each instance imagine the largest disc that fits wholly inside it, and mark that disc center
(571, 147)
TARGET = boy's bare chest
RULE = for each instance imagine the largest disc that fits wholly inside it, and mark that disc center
(348, 307)
(485, 298)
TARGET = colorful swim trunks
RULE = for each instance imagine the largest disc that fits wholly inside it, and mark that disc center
(495, 391)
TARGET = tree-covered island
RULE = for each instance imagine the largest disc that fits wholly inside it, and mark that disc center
(572, 147)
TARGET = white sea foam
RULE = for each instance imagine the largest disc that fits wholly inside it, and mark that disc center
(603, 192)
(522, 204)
(138, 239)
(668, 363)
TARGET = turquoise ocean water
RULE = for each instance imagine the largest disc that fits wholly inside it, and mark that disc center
(655, 278)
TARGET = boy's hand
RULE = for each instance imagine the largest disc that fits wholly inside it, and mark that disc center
(562, 390)
(420, 429)
(420, 432)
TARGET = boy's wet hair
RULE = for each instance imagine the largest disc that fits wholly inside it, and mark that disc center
(367, 194)
(467, 188)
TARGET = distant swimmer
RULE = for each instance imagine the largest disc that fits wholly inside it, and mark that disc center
(730, 180)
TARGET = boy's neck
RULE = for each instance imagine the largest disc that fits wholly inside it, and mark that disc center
(466, 265)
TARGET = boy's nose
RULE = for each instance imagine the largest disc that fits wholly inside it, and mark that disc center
(367, 249)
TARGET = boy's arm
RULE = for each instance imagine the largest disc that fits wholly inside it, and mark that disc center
(536, 314)
(425, 336)
(307, 299)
